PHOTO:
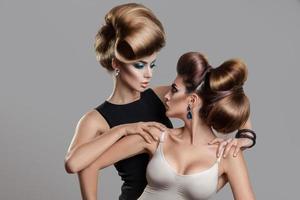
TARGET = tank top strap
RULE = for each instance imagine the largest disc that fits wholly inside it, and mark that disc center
(221, 155)
(162, 137)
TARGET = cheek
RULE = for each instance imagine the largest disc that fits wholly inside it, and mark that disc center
(177, 106)
(131, 75)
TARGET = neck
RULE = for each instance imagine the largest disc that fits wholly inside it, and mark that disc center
(122, 93)
(196, 131)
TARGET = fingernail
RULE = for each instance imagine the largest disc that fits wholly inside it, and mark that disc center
(156, 138)
(224, 156)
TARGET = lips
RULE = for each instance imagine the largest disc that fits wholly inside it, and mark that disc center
(166, 105)
(145, 84)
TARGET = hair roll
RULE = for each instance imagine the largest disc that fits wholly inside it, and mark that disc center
(131, 31)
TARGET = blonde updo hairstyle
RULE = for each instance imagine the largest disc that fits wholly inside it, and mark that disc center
(225, 107)
(131, 31)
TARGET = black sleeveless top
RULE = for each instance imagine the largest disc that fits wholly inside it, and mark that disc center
(133, 170)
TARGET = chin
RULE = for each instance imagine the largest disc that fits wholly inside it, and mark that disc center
(142, 89)
(139, 89)
(168, 114)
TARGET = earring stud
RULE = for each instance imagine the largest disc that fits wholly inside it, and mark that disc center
(117, 72)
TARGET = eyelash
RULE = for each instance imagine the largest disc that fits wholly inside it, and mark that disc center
(141, 66)
(173, 90)
(138, 65)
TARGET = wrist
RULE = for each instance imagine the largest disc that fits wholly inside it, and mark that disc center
(248, 135)
(120, 130)
(247, 142)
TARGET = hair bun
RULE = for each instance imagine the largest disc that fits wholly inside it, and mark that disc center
(226, 107)
(229, 75)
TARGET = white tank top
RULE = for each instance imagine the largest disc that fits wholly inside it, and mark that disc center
(164, 183)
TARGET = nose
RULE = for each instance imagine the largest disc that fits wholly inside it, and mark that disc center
(148, 72)
(167, 96)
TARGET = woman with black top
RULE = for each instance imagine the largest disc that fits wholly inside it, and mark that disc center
(127, 45)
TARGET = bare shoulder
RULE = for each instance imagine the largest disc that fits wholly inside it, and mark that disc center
(94, 117)
(94, 120)
(88, 127)
(161, 91)
(231, 162)
(237, 173)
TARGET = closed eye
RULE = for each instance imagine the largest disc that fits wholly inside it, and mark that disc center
(173, 88)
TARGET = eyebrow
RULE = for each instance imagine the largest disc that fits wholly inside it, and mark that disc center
(145, 62)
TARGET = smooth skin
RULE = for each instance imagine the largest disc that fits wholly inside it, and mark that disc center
(93, 136)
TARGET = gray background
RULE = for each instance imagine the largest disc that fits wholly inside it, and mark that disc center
(49, 78)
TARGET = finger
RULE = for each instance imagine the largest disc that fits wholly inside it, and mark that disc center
(236, 151)
(216, 140)
(227, 149)
(228, 146)
(145, 135)
(157, 125)
(152, 132)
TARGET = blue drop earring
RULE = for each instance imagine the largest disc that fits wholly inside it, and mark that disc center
(189, 114)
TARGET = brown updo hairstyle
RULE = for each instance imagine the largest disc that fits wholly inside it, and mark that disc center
(131, 31)
(225, 107)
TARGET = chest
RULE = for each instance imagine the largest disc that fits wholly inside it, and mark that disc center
(188, 159)
(165, 171)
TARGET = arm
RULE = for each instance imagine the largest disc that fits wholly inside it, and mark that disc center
(92, 137)
(222, 180)
(237, 174)
(126, 147)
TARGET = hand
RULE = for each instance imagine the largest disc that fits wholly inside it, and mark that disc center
(237, 143)
(148, 130)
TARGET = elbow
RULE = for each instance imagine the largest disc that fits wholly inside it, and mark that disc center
(70, 166)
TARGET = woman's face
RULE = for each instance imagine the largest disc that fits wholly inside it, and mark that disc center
(176, 100)
(138, 75)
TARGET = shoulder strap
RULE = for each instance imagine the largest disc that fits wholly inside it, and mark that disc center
(221, 155)
(162, 137)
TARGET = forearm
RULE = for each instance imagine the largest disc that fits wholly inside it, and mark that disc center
(88, 180)
(88, 177)
(79, 158)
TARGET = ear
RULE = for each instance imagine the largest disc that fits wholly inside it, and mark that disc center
(195, 100)
(114, 63)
